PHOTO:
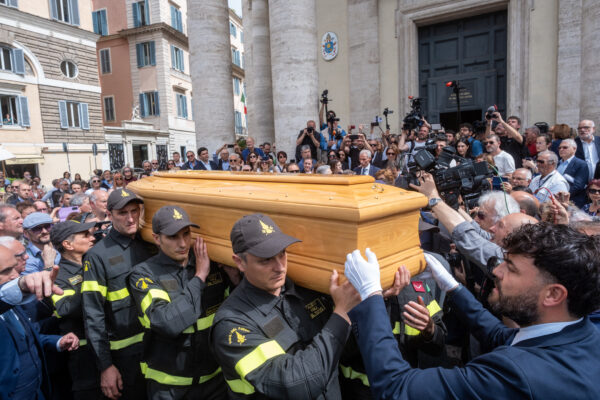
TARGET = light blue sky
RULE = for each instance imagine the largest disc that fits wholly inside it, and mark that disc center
(237, 6)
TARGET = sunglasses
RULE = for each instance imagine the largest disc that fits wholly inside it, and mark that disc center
(489, 142)
(95, 181)
(190, 156)
(118, 179)
(541, 162)
(281, 156)
(252, 156)
(154, 163)
(390, 154)
(563, 147)
(294, 171)
(39, 228)
(332, 156)
(594, 191)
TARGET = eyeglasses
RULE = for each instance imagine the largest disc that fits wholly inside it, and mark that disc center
(594, 191)
(563, 147)
(390, 154)
(489, 142)
(542, 162)
(118, 179)
(189, 155)
(95, 181)
(39, 228)
(293, 171)
(154, 163)
(252, 156)
(580, 128)
(332, 156)
(281, 156)
(21, 254)
(44, 210)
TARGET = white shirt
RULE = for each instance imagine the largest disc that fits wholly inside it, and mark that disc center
(505, 163)
(554, 182)
(591, 156)
(206, 165)
(538, 330)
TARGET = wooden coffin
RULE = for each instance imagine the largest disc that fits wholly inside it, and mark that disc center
(332, 215)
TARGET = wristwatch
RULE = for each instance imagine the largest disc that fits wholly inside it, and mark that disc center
(433, 202)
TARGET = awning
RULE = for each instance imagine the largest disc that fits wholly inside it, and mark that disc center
(25, 159)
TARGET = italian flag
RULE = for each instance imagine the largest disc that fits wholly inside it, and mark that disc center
(243, 100)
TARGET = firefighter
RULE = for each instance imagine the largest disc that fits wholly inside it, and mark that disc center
(177, 293)
(113, 329)
(272, 338)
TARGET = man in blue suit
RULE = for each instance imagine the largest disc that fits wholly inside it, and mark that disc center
(365, 167)
(574, 170)
(588, 145)
(23, 373)
(191, 162)
(548, 283)
(206, 163)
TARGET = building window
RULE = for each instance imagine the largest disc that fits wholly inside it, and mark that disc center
(65, 11)
(145, 54)
(6, 55)
(10, 3)
(177, 59)
(181, 105)
(236, 86)
(238, 123)
(235, 57)
(12, 60)
(109, 108)
(141, 13)
(15, 110)
(149, 104)
(73, 114)
(105, 66)
(100, 24)
(68, 69)
(116, 156)
(232, 29)
(176, 21)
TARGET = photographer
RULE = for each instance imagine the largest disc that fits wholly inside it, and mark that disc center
(353, 145)
(511, 141)
(331, 133)
(310, 137)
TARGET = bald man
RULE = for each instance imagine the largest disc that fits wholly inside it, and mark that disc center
(527, 202)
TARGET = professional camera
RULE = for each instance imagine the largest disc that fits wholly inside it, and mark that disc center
(103, 228)
(414, 119)
(324, 98)
(489, 114)
(309, 129)
(387, 111)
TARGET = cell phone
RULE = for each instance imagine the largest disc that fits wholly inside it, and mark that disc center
(230, 146)
(352, 126)
(64, 212)
(374, 124)
(436, 127)
(497, 182)
(354, 137)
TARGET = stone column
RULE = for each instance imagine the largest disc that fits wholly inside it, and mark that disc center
(260, 109)
(363, 54)
(247, 6)
(568, 79)
(590, 62)
(294, 68)
(210, 65)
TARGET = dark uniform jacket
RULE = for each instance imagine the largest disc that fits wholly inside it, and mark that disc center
(68, 310)
(562, 365)
(279, 347)
(177, 310)
(111, 319)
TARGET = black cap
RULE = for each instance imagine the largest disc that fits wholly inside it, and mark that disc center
(120, 198)
(258, 235)
(169, 220)
(63, 230)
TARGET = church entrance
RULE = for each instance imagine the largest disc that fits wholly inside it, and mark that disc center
(471, 51)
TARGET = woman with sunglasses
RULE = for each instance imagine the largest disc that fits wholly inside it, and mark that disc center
(253, 161)
(281, 161)
(264, 165)
(118, 181)
(394, 158)
(292, 168)
(593, 191)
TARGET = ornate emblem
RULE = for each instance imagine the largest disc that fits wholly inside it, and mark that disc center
(329, 46)
(177, 214)
(266, 229)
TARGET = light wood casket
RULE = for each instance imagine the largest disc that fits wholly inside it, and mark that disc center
(332, 215)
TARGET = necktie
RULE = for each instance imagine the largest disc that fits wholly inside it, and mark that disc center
(12, 319)
(364, 171)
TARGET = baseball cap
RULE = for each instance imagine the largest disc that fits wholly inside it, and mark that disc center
(63, 230)
(169, 220)
(258, 235)
(35, 219)
(120, 198)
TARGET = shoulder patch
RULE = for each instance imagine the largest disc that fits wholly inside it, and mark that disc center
(236, 335)
(74, 280)
(418, 286)
(214, 279)
(86, 266)
(142, 283)
(116, 260)
(315, 308)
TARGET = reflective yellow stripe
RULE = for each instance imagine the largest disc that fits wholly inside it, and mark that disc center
(93, 286)
(240, 386)
(349, 373)
(56, 314)
(226, 292)
(410, 331)
(396, 330)
(258, 357)
(151, 295)
(82, 342)
(118, 294)
(121, 344)
(433, 308)
(201, 324)
(167, 379)
(58, 297)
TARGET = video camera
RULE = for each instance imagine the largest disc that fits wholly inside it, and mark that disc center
(414, 119)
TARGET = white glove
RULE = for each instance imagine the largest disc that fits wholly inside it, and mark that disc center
(363, 275)
(436, 270)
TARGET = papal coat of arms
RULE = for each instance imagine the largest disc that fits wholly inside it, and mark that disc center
(329, 46)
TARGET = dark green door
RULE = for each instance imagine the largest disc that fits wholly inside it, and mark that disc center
(471, 50)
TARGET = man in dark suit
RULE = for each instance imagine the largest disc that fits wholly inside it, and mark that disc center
(588, 145)
(206, 163)
(574, 170)
(191, 162)
(365, 167)
(548, 284)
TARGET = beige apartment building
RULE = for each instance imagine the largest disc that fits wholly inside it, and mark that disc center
(49, 89)
(144, 69)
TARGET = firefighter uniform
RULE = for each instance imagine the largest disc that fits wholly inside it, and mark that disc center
(416, 349)
(113, 329)
(177, 310)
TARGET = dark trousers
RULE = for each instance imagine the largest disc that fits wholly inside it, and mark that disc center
(214, 389)
(127, 362)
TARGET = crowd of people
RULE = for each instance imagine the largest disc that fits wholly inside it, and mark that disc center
(506, 306)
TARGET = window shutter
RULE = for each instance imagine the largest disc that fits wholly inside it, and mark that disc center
(147, 12)
(53, 10)
(181, 64)
(173, 57)
(13, 3)
(152, 54)
(74, 12)
(23, 111)
(136, 15)
(84, 117)
(62, 111)
(184, 104)
(157, 104)
(142, 108)
(103, 23)
(139, 50)
(179, 110)
(173, 17)
(179, 22)
(19, 61)
(97, 28)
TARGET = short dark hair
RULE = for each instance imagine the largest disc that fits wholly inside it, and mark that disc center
(566, 256)
(201, 149)
(466, 125)
(514, 117)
